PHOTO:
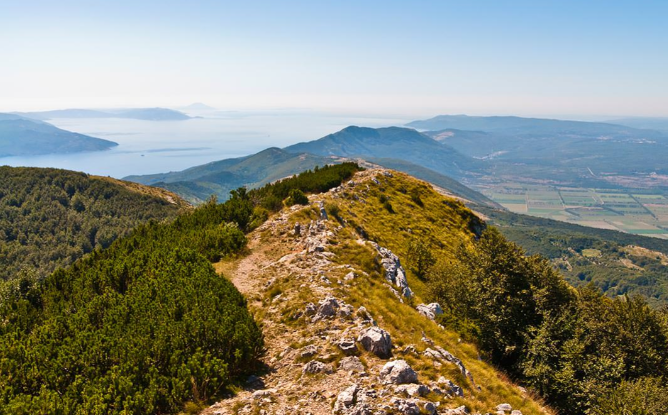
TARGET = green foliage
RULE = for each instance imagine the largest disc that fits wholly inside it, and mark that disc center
(420, 257)
(296, 197)
(317, 180)
(49, 218)
(645, 396)
(415, 197)
(141, 327)
(145, 325)
(572, 347)
(565, 244)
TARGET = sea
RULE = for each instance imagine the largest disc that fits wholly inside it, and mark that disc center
(147, 147)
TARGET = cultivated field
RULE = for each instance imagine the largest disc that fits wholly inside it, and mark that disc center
(640, 211)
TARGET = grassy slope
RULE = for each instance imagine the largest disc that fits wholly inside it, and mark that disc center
(447, 223)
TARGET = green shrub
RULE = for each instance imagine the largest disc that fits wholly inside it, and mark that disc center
(296, 197)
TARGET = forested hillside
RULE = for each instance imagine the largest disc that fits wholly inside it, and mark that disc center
(145, 325)
(617, 263)
(49, 218)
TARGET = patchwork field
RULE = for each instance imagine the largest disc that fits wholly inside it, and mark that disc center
(640, 212)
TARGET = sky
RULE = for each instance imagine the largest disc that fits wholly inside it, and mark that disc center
(401, 58)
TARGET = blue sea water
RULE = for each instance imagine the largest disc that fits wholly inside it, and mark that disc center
(147, 147)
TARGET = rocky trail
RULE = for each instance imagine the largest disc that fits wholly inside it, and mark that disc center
(324, 355)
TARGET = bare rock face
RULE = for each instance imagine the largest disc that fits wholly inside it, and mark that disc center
(430, 310)
(398, 372)
(394, 272)
(376, 341)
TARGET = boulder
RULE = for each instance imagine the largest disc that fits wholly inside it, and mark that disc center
(430, 408)
(327, 308)
(310, 309)
(309, 351)
(406, 406)
(346, 399)
(315, 366)
(262, 394)
(347, 346)
(414, 390)
(398, 372)
(376, 341)
(346, 311)
(504, 407)
(450, 387)
(351, 364)
(516, 412)
(430, 310)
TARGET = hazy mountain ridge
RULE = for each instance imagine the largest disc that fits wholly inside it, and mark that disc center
(391, 142)
(148, 114)
(20, 136)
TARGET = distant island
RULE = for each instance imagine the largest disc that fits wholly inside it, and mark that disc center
(147, 114)
(20, 136)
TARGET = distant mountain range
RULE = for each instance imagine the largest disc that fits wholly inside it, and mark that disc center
(389, 147)
(660, 124)
(393, 143)
(551, 149)
(20, 136)
(148, 114)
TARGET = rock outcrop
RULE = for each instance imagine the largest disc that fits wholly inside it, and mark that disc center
(398, 372)
(394, 272)
(376, 341)
(430, 310)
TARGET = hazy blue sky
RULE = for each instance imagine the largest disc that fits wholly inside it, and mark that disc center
(410, 58)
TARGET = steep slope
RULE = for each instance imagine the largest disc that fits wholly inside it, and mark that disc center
(148, 114)
(49, 218)
(392, 142)
(198, 183)
(20, 136)
(332, 311)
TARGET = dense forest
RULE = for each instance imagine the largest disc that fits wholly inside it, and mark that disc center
(576, 347)
(145, 325)
(49, 218)
(617, 263)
